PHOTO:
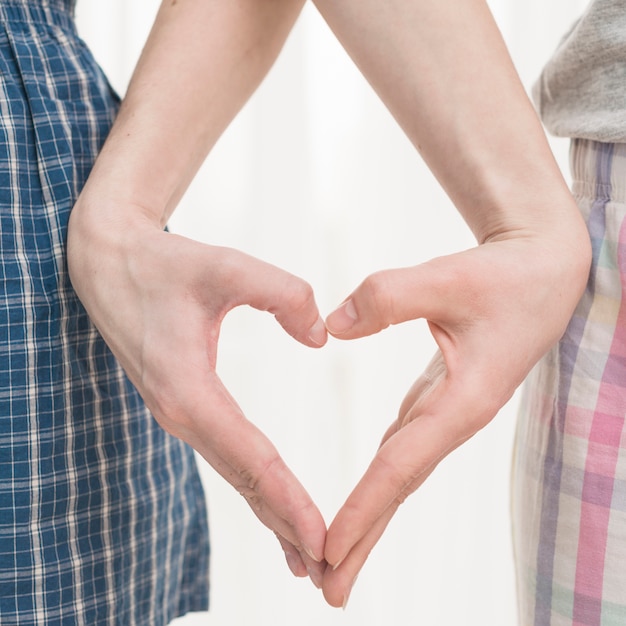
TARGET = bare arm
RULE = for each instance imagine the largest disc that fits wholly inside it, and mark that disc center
(158, 299)
(202, 61)
(444, 72)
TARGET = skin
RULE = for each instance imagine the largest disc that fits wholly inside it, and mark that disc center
(159, 299)
(444, 72)
(494, 310)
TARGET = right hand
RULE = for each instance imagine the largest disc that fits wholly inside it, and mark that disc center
(494, 311)
(158, 300)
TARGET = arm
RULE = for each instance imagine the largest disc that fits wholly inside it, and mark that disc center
(158, 299)
(444, 72)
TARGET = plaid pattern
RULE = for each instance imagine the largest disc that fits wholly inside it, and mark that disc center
(102, 516)
(569, 480)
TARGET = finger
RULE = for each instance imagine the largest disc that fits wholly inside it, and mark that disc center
(293, 558)
(254, 467)
(339, 581)
(417, 395)
(191, 403)
(301, 564)
(291, 299)
(215, 426)
(395, 468)
(281, 503)
(429, 290)
(400, 465)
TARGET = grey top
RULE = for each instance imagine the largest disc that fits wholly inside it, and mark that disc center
(582, 90)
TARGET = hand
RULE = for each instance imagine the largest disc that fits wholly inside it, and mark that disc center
(158, 300)
(493, 311)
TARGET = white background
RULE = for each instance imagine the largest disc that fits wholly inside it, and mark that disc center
(314, 176)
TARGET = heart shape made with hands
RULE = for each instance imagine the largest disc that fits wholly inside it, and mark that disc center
(179, 300)
(487, 340)
(292, 394)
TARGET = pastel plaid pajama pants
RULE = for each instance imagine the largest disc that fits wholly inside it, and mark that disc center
(569, 470)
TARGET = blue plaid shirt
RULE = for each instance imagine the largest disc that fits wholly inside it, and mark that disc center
(102, 516)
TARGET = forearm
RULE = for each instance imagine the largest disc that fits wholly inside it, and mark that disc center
(445, 74)
(202, 61)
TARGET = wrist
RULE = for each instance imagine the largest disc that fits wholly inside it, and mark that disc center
(101, 233)
(560, 247)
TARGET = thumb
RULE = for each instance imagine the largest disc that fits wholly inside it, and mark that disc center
(394, 296)
(290, 299)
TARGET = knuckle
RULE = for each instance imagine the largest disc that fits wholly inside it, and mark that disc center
(253, 478)
(301, 295)
(172, 397)
(377, 292)
(401, 497)
(170, 414)
(254, 500)
(398, 477)
(296, 308)
(481, 405)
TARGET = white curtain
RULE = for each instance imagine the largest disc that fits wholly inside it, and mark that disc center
(314, 176)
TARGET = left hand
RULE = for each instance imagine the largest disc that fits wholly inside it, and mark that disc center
(494, 311)
(159, 299)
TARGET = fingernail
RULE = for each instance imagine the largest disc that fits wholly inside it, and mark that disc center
(317, 334)
(338, 563)
(347, 596)
(310, 553)
(342, 319)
